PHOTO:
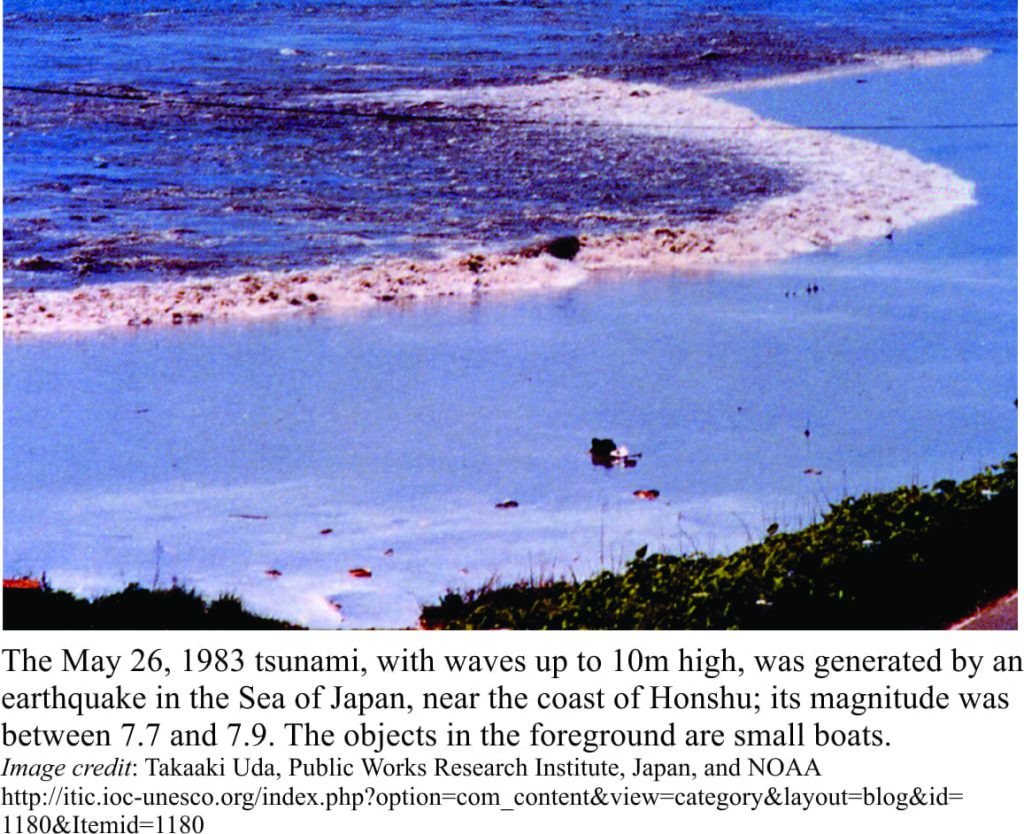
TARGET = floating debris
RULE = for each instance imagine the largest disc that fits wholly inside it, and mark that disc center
(564, 248)
(23, 583)
(605, 452)
(646, 494)
(273, 573)
(389, 552)
(327, 531)
(248, 516)
(812, 471)
(506, 505)
(359, 573)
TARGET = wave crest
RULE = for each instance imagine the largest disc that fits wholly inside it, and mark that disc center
(849, 189)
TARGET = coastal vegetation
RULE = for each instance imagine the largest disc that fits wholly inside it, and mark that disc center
(915, 557)
(32, 604)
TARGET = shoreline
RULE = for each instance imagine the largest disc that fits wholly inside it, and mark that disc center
(851, 190)
(860, 566)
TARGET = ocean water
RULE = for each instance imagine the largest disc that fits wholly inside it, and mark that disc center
(213, 455)
(158, 140)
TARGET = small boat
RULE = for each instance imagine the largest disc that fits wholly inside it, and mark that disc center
(646, 494)
(23, 583)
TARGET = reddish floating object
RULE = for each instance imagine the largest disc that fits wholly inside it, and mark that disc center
(273, 573)
(25, 583)
(327, 531)
(359, 573)
(647, 494)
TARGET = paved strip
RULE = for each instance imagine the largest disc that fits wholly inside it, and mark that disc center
(999, 616)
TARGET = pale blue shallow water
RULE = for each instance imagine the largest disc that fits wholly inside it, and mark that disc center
(401, 429)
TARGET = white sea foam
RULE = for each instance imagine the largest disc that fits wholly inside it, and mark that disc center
(865, 63)
(849, 189)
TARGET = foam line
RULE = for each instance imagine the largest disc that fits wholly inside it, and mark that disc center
(862, 64)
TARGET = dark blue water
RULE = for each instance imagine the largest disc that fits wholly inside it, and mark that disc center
(165, 139)
(365, 44)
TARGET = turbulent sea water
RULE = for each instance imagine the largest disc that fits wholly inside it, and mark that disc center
(168, 139)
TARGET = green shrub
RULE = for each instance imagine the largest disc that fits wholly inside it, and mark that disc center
(911, 558)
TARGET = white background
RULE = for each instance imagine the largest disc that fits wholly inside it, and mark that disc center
(973, 752)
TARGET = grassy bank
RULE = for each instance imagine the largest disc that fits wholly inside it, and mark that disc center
(916, 557)
(134, 608)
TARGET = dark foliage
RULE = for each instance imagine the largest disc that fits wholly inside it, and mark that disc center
(134, 608)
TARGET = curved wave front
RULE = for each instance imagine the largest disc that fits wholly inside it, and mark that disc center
(847, 189)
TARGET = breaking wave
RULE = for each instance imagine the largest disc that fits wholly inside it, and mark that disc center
(839, 189)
